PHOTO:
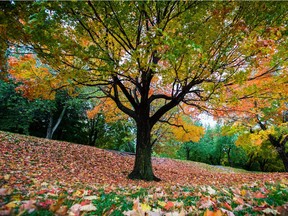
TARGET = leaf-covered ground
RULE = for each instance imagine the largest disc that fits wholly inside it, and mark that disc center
(44, 177)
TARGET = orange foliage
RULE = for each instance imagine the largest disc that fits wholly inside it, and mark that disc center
(36, 82)
(107, 106)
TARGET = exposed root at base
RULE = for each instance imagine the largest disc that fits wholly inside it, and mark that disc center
(137, 176)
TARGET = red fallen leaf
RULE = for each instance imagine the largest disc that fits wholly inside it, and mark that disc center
(46, 204)
(283, 210)
(259, 208)
(42, 192)
(5, 191)
(5, 212)
(259, 195)
(85, 202)
(28, 205)
(169, 205)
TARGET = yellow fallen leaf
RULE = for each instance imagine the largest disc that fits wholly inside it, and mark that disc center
(78, 193)
(145, 207)
(161, 203)
(12, 204)
(7, 177)
(243, 192)
(16, 197)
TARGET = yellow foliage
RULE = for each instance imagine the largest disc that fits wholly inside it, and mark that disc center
(187, 131)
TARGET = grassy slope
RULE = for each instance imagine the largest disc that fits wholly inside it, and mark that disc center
(31, 167)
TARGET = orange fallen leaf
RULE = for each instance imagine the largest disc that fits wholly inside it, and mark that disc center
(227, 206)
(238, 200)
(213, 213)
(169, 205)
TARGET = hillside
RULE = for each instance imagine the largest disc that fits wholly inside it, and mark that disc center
(40, 175)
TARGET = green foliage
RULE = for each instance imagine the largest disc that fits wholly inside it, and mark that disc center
(16, 112)
(20, 115)
(218, 148)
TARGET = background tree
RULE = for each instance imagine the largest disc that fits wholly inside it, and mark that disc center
(171, 53)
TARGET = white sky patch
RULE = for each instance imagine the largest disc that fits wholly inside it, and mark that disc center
(207, 120)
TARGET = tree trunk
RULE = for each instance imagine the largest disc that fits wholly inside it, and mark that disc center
(143, 165)
(229, 157)
(50, 130)
(93, 132)
(284, 156)
(187, 153)
(262, 164)
(280, 147)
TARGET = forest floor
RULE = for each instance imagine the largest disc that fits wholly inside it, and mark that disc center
(47, 177)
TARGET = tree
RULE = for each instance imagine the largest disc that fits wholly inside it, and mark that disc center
(262, 117)
(142, 54)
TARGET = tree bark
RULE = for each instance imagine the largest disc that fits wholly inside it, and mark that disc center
(187, 153)
(284, 156)
(229, 157)
(280, 148)
(143, 165)
(50, 130)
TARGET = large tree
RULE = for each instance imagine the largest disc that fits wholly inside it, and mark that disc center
(150, 57)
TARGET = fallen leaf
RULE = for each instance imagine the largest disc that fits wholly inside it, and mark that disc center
(169, 205)
(90, 197)
(211, 191)
(227, 206)
(213, 213)
(7, 177)
(5, 191)
(270, 211)
(259, 195)
(145, 207)
(238, 200)
(62, 211)
(57, 205)
(74, 210)
(227, 213)
(206, 204)
(12, 204)
(89, 207)
(5, 212)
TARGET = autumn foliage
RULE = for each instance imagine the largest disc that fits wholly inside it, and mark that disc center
(35, 80)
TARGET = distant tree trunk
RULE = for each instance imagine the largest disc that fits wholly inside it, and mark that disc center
(50, 129)
(229, 157)
(262, 164)
(187, 152)
(250, 161)
(93, 132)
